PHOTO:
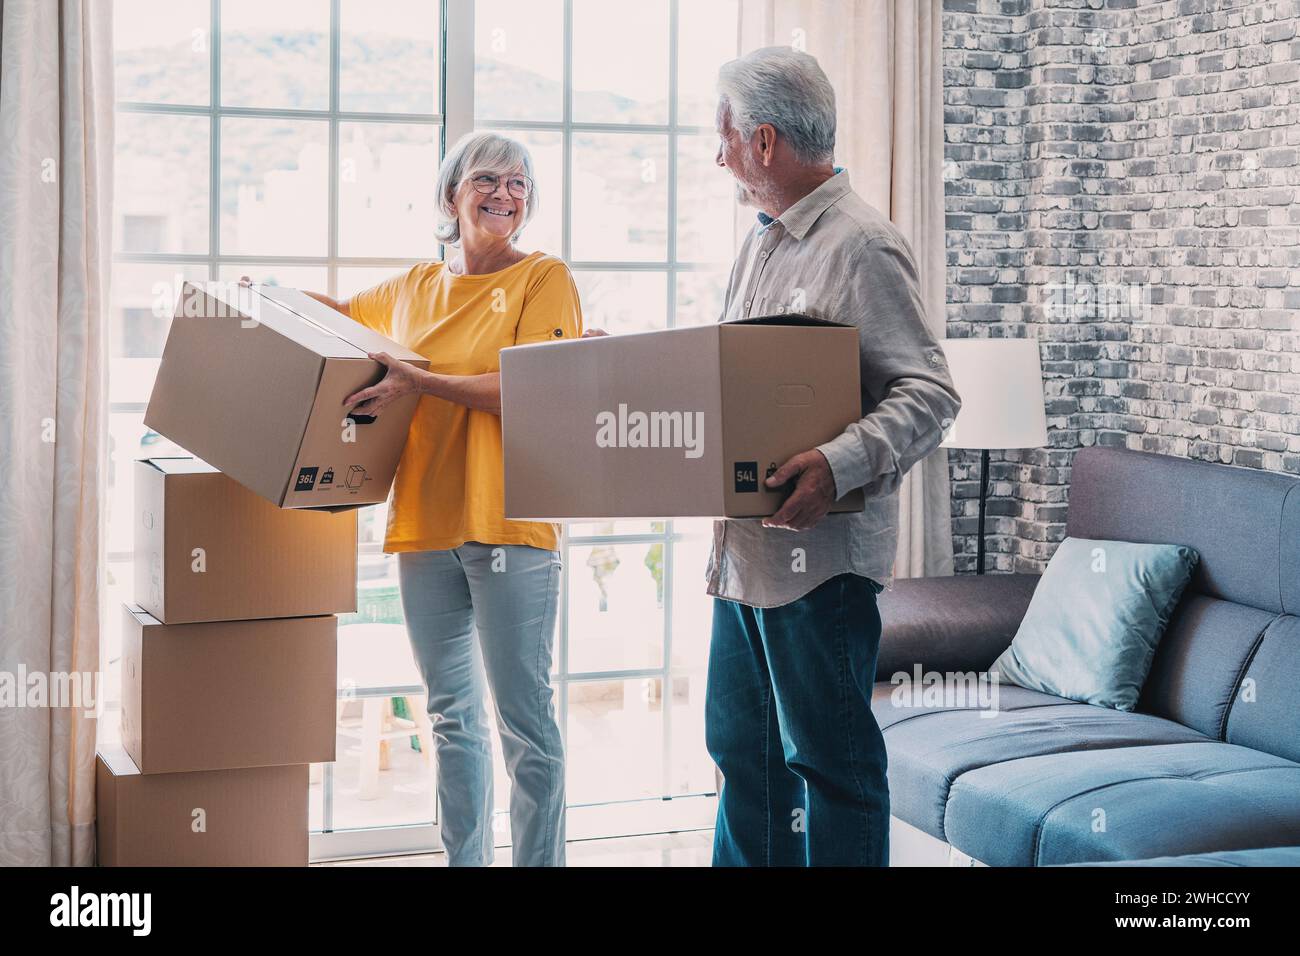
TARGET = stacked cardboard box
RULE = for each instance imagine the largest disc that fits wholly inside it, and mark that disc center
(229, 652)
(229, 659)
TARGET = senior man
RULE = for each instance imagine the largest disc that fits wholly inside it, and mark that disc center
(796, 630)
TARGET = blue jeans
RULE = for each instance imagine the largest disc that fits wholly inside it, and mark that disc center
(507, 596)
(788, 721)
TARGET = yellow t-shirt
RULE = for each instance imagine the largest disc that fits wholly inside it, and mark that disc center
(450, 484)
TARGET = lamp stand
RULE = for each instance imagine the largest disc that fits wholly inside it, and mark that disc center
(984, 497)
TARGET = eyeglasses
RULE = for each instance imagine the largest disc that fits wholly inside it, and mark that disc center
(521, 187)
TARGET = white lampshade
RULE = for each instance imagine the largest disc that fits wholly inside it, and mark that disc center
(1000, 382)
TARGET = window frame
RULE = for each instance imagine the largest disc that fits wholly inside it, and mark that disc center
(456, 62)
(333, 115)
(567, 128)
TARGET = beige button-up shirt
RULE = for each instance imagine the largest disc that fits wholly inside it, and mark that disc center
(832, 256)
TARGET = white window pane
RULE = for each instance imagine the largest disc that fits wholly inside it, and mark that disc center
(518, 59)
(615, 613)
(382, 776)
(615, 740)
(501, 785)
(620, 197)
(119, 577)
(623, 301)
(705, 202)
(377, 574)
(387, 202)
(372, 522)
(130, 380)
(691, 770)
(316, 798)
(274, 187)
(388, 56)
(706, 38)
(700, 296)
(142, 304)
(128, 441)
(692, 605)
(312, 278)
(587, 529)
(161, 51)
(699, 527)
(275, 55)
(543, 231)
(379, 601)
(160, 201)
(620, 61)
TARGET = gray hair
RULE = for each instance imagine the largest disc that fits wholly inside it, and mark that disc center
(482, 152)
(787, 88)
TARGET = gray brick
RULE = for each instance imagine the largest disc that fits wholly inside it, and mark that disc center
(1165, 160)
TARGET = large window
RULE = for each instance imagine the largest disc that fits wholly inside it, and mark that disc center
(298, 142)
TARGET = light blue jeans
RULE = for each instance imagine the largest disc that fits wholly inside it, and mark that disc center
(505, 596)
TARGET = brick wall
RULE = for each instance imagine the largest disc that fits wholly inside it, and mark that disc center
(1122, 182)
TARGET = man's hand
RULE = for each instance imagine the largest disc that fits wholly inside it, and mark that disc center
(593, 333)
(813, 494)
(402, 379)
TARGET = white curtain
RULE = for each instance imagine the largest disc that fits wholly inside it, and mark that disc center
(56, 147)
(884, 59)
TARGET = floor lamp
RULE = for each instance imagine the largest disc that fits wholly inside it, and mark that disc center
(1000, 382)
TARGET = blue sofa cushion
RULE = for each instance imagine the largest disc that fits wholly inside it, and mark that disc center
(1097, 614)
(1010, 697)
(1265, 713)
(930, 747)
(1124, 804)
(1268, 856)
(1199, 662)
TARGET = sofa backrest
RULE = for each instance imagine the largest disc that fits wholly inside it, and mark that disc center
(1244, 523)
(1266, 713)
(1229, 663)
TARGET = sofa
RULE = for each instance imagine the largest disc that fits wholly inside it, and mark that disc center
(1207, 766)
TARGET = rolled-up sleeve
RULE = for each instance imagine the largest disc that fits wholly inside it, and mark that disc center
(907, 391)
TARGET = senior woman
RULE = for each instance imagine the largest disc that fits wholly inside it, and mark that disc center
(479, 592)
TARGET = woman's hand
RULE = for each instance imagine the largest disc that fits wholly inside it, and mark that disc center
(401, 379)
(592, 333)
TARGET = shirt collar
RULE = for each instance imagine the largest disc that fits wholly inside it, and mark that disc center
(799, 218)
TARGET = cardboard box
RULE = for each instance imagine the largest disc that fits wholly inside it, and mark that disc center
(253, 817)
(228, 694)
(252, 380)
(681, 422)
(208, 549)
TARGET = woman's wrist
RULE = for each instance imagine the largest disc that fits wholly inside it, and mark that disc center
(428, 383)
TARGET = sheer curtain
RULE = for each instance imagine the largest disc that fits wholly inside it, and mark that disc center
(884, 58)
(56, 141)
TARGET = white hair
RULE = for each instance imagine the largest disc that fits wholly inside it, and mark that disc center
(474, 153)
(786, 88)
